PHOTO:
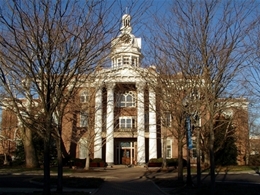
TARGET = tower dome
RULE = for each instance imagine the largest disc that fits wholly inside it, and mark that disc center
(126, 48)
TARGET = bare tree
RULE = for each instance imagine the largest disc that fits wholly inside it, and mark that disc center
(205, 40)
(48, 46)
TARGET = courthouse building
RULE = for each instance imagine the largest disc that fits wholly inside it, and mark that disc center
(121, 104)
(115, 114)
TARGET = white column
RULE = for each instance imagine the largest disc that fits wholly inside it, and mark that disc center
(140, 124)
(110, 124)
(152, 124)
(98, 124)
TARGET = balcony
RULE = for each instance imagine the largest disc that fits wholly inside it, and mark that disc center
(125, 129)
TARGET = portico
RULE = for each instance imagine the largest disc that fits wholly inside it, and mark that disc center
(131, 124)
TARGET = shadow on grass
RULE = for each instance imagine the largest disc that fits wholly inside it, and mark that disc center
(73, 182)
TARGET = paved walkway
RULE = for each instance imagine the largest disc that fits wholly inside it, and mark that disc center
(119, 180)
(141, 187)
(129, 181)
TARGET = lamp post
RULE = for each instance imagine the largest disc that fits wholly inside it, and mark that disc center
(189, 141)
(189, 147)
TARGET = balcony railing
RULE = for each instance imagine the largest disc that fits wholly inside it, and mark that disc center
(126, 129)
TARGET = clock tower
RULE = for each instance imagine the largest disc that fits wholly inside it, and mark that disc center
(126, 48)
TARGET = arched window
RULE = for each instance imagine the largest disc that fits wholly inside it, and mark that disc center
(84, 97)
(126, 99)
(83, 148)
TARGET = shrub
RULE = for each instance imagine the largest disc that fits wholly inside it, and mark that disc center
(169, 162)
(80, 163)
(97, 160)
(156, 160)
(173, 162)
(254, 160)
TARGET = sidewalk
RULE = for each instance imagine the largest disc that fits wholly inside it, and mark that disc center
(119, 180)
(122, 180)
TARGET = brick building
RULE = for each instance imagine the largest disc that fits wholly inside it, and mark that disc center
(115, 113)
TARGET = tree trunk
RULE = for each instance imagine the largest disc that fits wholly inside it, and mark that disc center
(212, 161)
(164, 165)
(31, 160)
(6, 161)
(60, 165)
(180, 160)
(198, 158)
(46, 186)
(87, 160)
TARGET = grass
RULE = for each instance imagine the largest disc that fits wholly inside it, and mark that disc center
(227, 169)
(52, 193)
(75, 182)
(20, 169)
(235, 168)
(174, 187)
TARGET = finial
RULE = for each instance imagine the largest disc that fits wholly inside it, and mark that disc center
(126, 10)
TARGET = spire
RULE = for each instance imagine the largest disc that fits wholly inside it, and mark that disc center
(126, 26)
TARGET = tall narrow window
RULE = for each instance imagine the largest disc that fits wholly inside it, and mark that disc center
(84, 97)
(119, 62)
(169, 148)
(133, 61)
(167, 119)
(194, 150)
(83, 148)
(196, 121)
(83, 119)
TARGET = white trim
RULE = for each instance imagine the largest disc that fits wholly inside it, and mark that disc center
(128, 120)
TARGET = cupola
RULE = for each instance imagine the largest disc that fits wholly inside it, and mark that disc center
(126, 48)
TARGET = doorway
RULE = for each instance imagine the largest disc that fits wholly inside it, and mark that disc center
(126, 153)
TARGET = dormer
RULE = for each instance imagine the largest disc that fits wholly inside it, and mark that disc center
(126, 48)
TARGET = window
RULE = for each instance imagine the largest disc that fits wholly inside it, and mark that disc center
(126, 99)
(83, 147)
(169, 148)
(126, 60)
(167, 119)
(83, 119)
(194, 150)
(119, 62)
(126, 122)
(134, 61)
(84, 97)
(196, 121)
(195, 94)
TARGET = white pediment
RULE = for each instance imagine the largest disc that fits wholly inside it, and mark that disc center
(123, 74)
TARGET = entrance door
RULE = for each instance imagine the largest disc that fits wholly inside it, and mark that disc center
(126, 158)
(125, 153)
